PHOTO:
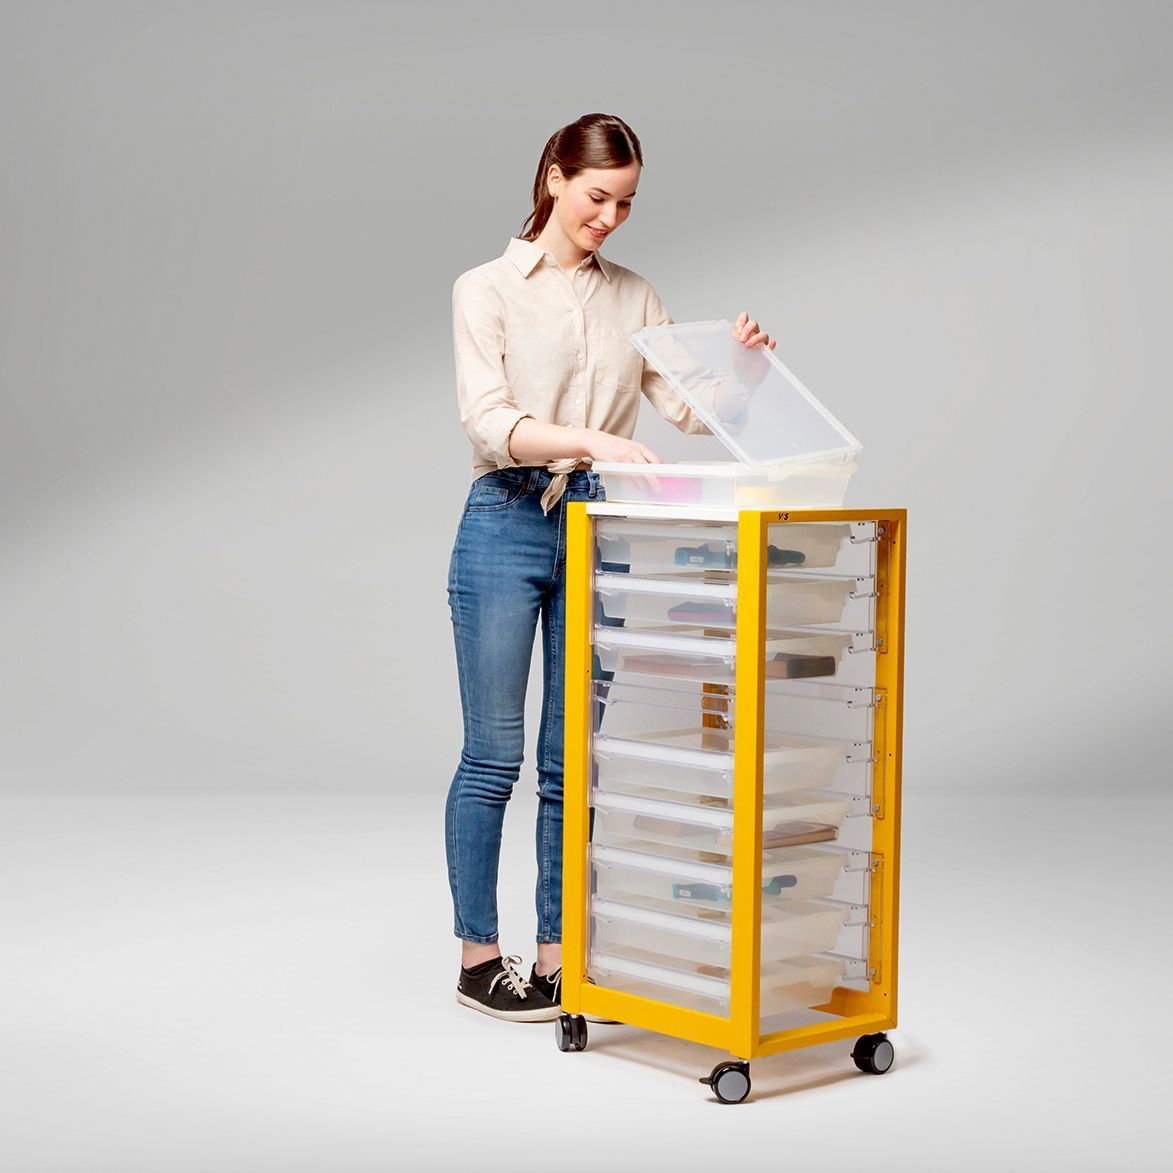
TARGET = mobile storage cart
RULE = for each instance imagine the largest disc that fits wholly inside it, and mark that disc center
(733, 737)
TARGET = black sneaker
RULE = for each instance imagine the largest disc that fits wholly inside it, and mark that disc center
(551, 986)
(496, 988)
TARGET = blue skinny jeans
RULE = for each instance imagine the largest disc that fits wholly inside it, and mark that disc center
(507, 576)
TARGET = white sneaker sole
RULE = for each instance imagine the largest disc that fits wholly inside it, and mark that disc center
(546, 1015)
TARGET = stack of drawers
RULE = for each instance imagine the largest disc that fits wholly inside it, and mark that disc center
(665, 615)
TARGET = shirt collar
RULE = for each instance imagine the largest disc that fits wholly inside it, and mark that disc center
(527, 255)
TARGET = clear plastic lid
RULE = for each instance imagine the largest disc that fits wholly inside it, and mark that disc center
(747, 397)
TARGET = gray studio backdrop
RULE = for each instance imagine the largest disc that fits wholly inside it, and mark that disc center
(231, 461)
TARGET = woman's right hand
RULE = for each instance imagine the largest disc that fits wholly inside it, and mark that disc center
(608, 449)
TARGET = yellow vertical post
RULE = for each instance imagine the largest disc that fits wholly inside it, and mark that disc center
(576, 760)
(890, 681)
(748, 722)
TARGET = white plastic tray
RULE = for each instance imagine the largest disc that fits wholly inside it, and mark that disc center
(623, 873)
(650, 546)
(819, 485)
(683, 653)
(689, 600)
(795, 984)
(700, 761)
(702, 936)
(787, 820)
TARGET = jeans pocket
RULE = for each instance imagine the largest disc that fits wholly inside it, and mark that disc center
(496, 490)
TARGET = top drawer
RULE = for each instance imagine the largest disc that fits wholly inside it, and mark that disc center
(636, 546)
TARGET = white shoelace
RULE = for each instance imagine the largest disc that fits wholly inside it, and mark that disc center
(555, 976)
(513, 979)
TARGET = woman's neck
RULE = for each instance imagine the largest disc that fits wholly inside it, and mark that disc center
(568, 254)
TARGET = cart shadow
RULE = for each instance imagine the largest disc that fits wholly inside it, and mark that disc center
(806, 1069)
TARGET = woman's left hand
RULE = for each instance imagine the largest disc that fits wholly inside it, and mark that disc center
(750, 361)
(746, 330)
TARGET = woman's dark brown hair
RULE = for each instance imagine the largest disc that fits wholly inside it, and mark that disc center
(595, 140)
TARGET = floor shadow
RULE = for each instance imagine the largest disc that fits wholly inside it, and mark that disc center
(790, 1073)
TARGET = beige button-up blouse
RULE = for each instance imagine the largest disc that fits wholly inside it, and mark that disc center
(533, 340)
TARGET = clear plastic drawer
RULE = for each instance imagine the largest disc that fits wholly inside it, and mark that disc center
(677, 736)
(729, 484)
(700, 761)
(690, 601)
(703, 936)
(823, 710)
(854, 555)
(814, 872)
(652, 547)
(689, 654)
(796, 984)
(706, 823)
(623, 874)
(681, 935)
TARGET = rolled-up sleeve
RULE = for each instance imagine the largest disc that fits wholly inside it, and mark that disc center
(488, 409)
(660, 393)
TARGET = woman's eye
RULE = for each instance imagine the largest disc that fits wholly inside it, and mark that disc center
(596, 199)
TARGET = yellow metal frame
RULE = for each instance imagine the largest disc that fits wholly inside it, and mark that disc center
(856, 1011)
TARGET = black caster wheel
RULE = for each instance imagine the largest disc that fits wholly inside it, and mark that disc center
(729, 1081)
(873, 1054)
(570, 1032)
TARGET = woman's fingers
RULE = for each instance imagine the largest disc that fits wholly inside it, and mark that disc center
(748, 330)
(751, 334)
(639, 453)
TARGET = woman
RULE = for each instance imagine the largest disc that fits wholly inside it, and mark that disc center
(548, 382)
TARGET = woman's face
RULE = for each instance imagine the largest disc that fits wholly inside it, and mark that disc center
(596, 198)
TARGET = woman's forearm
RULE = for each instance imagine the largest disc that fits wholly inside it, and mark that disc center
(533, 442)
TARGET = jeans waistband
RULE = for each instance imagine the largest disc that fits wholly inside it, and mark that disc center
(537, 479)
